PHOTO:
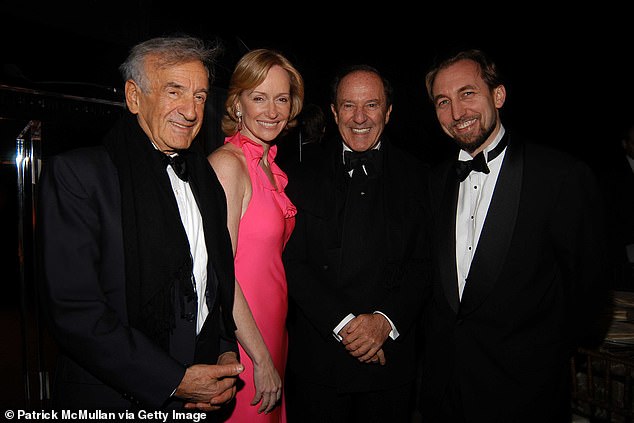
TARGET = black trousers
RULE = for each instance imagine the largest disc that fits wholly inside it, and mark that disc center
(310, 403)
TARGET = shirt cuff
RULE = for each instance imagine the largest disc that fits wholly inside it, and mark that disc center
(340, 326)
(393, 333)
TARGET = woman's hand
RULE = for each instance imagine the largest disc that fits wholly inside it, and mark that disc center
(268, 385)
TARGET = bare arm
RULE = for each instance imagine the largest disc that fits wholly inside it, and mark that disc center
(231, 170)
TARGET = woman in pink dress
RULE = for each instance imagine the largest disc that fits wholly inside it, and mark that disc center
(265, 95)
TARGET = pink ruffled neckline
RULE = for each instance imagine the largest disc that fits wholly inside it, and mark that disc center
(253, 153)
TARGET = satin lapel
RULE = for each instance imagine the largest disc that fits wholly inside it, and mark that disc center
(396, 198)
(447, 239)
(497, 232)
(394, 191)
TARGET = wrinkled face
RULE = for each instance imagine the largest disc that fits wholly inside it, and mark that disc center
(171, 111)
(361, 112)
(266, 109)
(466, 108)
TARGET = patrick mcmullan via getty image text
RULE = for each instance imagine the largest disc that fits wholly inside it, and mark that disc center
(98, 415)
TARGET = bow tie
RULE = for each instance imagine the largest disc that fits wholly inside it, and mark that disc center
(178, 164)
(368, 161)
(478, 163)
(464, 167)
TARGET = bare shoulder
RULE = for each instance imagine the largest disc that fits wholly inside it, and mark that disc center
(229, 163)
(227, 158)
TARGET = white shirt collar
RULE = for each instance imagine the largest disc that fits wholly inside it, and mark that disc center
(346, 148)
(466, 156)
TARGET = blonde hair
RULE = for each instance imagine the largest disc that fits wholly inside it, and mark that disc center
(250, 72)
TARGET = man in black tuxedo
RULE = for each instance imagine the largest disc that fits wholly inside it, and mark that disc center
(137, 261)
(617, 182)
(520, 263)
(355, 266)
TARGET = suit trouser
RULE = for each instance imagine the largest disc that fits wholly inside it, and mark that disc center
(308, 402)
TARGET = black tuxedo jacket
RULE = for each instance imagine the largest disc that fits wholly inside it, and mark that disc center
(320, 296)
(617, 182)
(104, 363)
(530, 293)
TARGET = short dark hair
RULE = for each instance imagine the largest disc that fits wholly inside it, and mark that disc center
(387, 86)
(312, 122)
(488, 69)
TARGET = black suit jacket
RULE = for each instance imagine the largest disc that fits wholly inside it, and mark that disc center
(530, 293)
(320, 297)
(617, 182)
(104, 363)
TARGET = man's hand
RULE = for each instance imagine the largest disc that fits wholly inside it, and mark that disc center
(364, 336)
(207, 387)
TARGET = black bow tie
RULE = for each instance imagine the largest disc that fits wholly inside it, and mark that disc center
(465, 167)
(368, 161)
(178, 164)
(478, 163)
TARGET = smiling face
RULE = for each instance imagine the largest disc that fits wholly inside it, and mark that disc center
(265, 109)
(361, 112)
(171, 111)
(466, 107)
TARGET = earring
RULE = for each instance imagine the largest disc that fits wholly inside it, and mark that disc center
(239, 114)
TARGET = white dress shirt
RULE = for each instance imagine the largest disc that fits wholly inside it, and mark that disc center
(193, 223)
(474, 198)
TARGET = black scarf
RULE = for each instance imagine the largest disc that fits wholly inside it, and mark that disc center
(158, 263)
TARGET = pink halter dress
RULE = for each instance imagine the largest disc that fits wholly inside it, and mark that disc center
(263, 232)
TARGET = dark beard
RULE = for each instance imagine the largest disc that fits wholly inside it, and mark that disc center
(473, 145)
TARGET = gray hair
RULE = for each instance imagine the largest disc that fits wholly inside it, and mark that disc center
(170, 51)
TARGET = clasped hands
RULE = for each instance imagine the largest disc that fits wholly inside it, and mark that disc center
(207, 387)
(364, 335)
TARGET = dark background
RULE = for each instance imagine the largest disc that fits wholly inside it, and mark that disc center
(569, 84)
(568, 73)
